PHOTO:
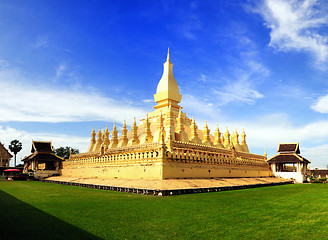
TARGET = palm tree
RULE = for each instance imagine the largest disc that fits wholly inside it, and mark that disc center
(15, 146)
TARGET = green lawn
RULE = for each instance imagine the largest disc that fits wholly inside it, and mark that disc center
(36, 210)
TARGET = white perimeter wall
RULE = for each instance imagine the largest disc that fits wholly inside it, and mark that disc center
(299, 177)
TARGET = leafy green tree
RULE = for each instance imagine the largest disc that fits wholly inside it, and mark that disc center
(64, 152)
(15, 147)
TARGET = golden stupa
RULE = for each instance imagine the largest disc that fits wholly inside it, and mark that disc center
(165, 145)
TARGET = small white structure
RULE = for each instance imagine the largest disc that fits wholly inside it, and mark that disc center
(288, 163)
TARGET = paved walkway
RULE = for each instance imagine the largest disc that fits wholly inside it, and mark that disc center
(170, 184)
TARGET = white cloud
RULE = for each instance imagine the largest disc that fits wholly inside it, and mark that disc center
(41, 41)
(3, 64)
(295, 25)
(23, 100)
(202, 108)
(321, 105)
(242, 88)
(58, 140)
(150, 100)
(241, 91)
(242, 79)
(319, 154)
(60, 70)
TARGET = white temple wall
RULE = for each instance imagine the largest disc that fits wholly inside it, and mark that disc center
(297, 176)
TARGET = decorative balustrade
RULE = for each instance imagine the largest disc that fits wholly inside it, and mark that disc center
(180, 151)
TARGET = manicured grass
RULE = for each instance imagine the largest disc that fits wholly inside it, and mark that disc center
(36, 210)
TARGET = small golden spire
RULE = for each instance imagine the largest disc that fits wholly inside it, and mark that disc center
(124, 129)
(226, 138)
(147, 136)
(106, 140)
(99, 139)
(217, 137)
(206, 135)
(134, 140)
(168, 55)
(193, 132)
(114, 140)
(124, 137)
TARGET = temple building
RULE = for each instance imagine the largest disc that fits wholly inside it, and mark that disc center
(5, 156)
(288, 163)
(42, 161)
(166, 144)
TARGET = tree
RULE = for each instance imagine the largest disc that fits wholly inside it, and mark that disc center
(15, 147)
(64, 152)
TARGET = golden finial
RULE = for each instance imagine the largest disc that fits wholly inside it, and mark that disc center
(168, 55)
(205, 126)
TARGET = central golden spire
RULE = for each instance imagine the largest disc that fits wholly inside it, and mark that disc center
(167, 89)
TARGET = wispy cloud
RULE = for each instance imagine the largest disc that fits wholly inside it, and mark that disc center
(240, 81)
(148, 100)
(242, 86)
(41, 41)
(23, 100)
(200, 108)
(240, 91)
(3, 64)
(60, 70)
(319, 153)
(296, 25)
(321, 105)
(189, 22)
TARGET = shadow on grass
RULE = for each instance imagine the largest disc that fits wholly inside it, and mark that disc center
(20, 220)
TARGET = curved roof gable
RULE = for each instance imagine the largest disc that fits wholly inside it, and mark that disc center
(38, 146)
(289, 147)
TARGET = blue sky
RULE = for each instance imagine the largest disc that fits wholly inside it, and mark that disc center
(68, 66)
